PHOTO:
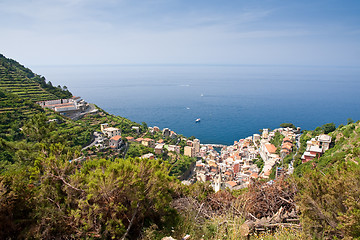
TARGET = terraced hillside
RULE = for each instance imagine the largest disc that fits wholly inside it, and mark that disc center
(10, 103)
(20, 88)
(17, 79)
(13, 111)
(13, 81)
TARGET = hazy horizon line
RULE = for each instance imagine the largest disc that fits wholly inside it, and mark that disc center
(189, 65)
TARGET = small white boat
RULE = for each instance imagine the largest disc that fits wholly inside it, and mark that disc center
(197, 120)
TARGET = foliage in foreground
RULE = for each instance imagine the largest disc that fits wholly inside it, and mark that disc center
(106, 199)
(330, 203)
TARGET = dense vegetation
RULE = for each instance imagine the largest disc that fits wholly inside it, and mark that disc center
(52, 198)
(277, 140)
(330, 186)
(286, 125)
(14, 111)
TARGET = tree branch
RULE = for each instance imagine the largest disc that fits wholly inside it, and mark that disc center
(66, 183)
(131, 222)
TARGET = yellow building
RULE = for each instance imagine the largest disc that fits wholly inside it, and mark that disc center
(189, 151)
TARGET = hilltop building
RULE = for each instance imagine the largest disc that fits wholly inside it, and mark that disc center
(316, 147)
(115, 142)
(148, 142)
(65, 106)
(159, 148)
(111, 132)
(174, 148)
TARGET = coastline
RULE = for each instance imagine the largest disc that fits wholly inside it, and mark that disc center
(236, 101)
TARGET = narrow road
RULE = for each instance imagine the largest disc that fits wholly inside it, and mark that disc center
(97, 138)
(291, 164)
(90, 109)
(126, 149)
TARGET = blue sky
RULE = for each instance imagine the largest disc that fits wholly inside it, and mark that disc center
(66, 32)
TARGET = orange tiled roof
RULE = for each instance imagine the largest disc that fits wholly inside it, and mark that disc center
(286, 146)
(232, 183)
(254, 175)
(116, 138)
(267, 173)
(270, 147)
(285, 150)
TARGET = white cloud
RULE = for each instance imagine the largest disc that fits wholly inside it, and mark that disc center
(94, 31)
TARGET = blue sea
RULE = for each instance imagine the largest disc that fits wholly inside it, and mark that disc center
(232, 101)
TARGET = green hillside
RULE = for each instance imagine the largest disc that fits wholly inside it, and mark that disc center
(20, 88)
(17, 79)
(13, 112)
(12, 103)
(329, 187)
(345, 148)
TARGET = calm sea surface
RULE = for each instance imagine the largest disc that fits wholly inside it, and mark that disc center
(233, 102)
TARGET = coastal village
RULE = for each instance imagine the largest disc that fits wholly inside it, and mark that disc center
(232, 167)
(235, 166)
